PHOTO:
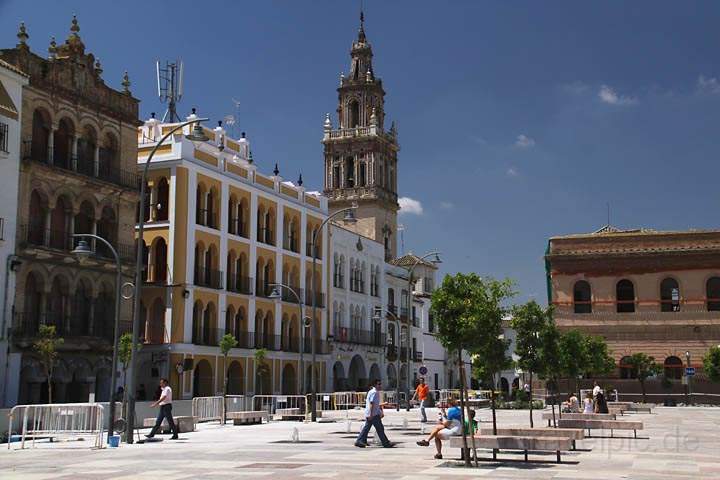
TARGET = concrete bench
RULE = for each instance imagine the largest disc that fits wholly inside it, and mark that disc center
(571, 433)
(511, 442)
(246, 418)
(579, 416)
(289, 414)
(640, 407)
(611, 425)
(184, 424)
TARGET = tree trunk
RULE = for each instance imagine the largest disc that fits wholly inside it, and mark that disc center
(225, 382)
(49, 380)
(531, 401)
(642, 389)
(554, 401)
(463, 393)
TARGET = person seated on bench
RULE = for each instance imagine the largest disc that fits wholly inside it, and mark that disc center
(470, 420)
(572, 405)
(588, 403)
(449, 427)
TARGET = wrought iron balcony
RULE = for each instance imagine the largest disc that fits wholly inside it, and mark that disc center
(206, 277)
(35, 235)
(239, 284)
(358, 336)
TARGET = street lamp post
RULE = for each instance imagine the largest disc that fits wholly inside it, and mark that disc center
(83, 250)
(435, 261)
(687, 379)
(196, 135)
(377, 317)
(349, 218)
(276, 295)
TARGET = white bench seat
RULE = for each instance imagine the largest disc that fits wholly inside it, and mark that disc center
(512, 442)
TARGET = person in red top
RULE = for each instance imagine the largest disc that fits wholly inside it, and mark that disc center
(421, 393)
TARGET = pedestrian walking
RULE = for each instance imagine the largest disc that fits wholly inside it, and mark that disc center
(421, 393)
(373, 418)
(165, 403)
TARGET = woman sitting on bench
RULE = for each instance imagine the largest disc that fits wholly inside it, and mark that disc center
(450, 426)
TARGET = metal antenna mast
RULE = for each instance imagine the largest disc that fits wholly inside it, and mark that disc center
(170, 87)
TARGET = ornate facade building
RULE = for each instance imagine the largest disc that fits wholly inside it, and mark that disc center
(643, 290)
(360, 155)
(218, 234)
(77, 175)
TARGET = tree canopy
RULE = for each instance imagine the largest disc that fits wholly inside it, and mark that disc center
(711, 364)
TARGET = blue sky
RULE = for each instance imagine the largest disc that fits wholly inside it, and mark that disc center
(517, 120)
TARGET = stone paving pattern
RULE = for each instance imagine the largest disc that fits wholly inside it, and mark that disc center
(677, 443)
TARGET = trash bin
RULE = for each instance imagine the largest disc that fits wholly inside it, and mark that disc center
(114, 441)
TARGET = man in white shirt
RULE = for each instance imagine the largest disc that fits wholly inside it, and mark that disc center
(596, 390)
(165, 403)
(373, 418)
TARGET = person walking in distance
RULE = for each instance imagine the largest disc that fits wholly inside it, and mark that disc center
(373, 418)
(165, 403)
(421, 393)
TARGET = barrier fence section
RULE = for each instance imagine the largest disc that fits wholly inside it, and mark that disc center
(282, 404)
(238, 403)
(206, 409)
(58, 420)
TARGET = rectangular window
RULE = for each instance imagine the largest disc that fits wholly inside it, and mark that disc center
(4, 137)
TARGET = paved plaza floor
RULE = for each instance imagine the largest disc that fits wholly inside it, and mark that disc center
(676, 443)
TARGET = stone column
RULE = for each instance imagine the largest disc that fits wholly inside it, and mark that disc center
(96, 160)
(73, 153)
(51, 141)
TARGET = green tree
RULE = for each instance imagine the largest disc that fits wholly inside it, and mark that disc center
(227, 343)
(573, 355)
(550, 358)
(711, 364)
(469, 312)
(262, 369)
(599, 360)
(529, 320)
(124, 356)
(643, 366)
(46, 347)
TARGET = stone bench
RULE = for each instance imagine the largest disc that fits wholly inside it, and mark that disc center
(571, 433)
(184, 424)
(639, 407)
(246, 418)
(289, 414)
(579, 416)
(611, 425)
(511, 442)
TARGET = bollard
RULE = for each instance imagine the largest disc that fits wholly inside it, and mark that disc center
(405, 423)
(349, 426)
(295, 438)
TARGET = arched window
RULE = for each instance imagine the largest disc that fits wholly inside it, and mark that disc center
(349, 172)
(582, 297)
(108, 229)
(108, 159)
(626, 368)
(354, 112)
(712, 292)
(669, 295)
(163, 200)
(86, 146)
(60, 224)
(38, 213)
(62, 144)
(673, 368)
(625, 296)
(40, 136)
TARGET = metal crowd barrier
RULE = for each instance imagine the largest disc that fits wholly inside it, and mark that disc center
(58, 420)
(206, 409)
(273, 403)
(238, 403)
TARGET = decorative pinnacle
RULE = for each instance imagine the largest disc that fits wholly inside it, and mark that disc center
(327, 124)
(22, 34)
(126, 83)
(300, 182)
(250, 159)
(52, 49)
(276, 171)
(98, 67)
(361, 31)
(75, 28)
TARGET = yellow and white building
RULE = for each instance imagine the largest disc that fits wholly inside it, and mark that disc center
(217, 232)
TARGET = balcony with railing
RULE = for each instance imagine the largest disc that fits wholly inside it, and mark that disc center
(392, 311)
(207, 218)
(358, 336)
(291, 244)
(206, 336)
(288, 296)
(84, 166)
(309, 251)
(319, 298)
(239, 284)
(391, 353)
(265, 235)
(238, 227)
(404, 314)
(206, 277)
(27, 325)
(417, 356)
(35, 235)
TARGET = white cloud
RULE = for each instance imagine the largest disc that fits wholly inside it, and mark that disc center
(523, 141)
(447, 205)
(410, 206)
(708, 84)
(512, 172)
(609, 95)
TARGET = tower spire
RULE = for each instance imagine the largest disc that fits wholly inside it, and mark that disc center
(361, 31)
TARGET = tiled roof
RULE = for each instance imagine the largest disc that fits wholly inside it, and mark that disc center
(632, 250)
(611, 231)
(12, 68)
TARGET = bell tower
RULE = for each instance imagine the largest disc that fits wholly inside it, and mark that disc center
(360, 155)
